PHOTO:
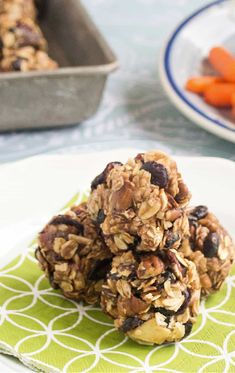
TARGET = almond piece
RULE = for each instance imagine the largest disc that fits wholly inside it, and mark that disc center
(122, 199)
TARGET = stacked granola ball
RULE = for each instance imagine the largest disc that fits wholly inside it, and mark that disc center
(22, 44)
(139, 250)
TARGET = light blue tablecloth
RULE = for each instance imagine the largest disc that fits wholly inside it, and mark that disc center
(134, 105)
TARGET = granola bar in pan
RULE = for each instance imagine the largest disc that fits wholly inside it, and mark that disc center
(22, 44)
(140, 203)
(26, 59)
(73, 256)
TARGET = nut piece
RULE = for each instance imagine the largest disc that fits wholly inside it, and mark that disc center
(122, 198)
(151, 333)
(149, 267)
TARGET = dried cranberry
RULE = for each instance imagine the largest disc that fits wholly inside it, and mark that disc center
(187, 297)
(28, 37)
(130, 323)
(172, 257)
(211, 245)
(37, 253)
(60, 219)
(167, 320)
(54, 285)
(1, 46)
(127, 268)
(16, 65)
(188, 328)
(199, 212)
(159, 175)
(53, 257)
(136, 243)
(100, 216)
(164, 311)
(171, 238)
(101, 178)
(161, 279)
(113, 276)
(100, 270)
(168, 275)
(139, 157)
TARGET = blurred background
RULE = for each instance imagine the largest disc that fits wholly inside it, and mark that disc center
(134, 106)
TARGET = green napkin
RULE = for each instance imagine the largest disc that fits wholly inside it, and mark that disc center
(52, 334)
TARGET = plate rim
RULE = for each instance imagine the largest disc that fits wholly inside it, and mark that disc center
(177, 97)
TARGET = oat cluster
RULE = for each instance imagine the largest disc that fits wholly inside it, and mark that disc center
(22, 44)
(139, 250)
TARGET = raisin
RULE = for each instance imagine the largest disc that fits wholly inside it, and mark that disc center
(28, 37)
(171, 238)
(130, 323)
(52, 257)
(60, 219)
(211, 245)
(1, 46)
(16, 65)
(159, 175)
(101, 178)
(136, 243)
(127, 268)
(54, 285)
(188, 328)
(187, 297)
(100, 270)
(140, 157)
(113, 276)
(167, 320)
(199, 212)
(164, 311)
(37, 253)
(100, 216)
(167, 275)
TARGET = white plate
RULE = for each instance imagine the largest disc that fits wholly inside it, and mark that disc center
(182, 58)
(32, 190)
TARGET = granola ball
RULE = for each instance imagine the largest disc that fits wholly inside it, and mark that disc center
(26, 59)
(210, 247)
(140, 204)
(153, 298)
(21, 33)
(73, 256)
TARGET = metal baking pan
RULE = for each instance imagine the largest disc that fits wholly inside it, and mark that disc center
(70, 94)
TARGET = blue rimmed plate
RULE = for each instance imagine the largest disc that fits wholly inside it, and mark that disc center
(185, 56)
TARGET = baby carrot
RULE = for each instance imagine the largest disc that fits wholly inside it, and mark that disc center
(233, 104)
(199, 84)
(223, 62)
(220, 94)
